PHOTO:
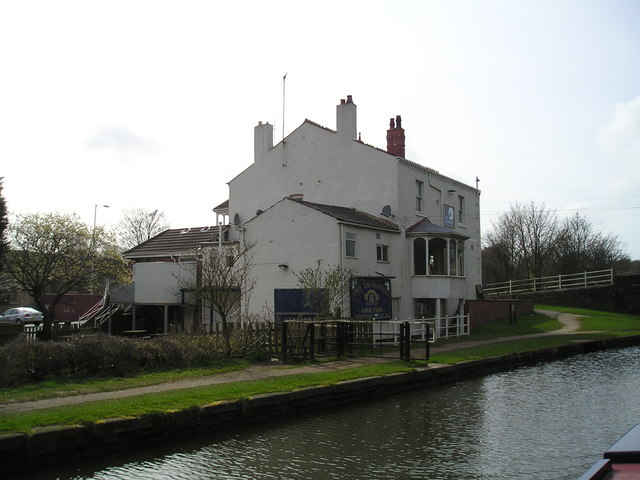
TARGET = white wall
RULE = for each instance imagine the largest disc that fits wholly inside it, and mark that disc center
(157, 282)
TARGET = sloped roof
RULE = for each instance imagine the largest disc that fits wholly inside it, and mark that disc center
(224, 205)
(352, 216)
(425, 227)
(175, 241)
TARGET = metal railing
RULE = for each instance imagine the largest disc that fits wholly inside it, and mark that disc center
(313, 338)
(550, 283)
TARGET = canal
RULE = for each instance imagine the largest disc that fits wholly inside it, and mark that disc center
(549, 421)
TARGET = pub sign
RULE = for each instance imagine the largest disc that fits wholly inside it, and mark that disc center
(371, 297)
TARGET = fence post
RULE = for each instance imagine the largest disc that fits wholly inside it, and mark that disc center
(402, 341)
(284, 341)
(312, 341)
(426, 344)
(585, 279)
(560, 282)
(340, 339)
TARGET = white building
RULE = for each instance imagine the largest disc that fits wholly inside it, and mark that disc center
(406, 233)
(323, 194)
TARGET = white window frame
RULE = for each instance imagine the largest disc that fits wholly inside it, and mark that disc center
(419, 196)
(382, 253)
(350, 240)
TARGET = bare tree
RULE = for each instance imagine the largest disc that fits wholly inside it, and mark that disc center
(51, 253)
(221, 280)
(138, 225)
(580, 248)
(325, 288)
(523, 239)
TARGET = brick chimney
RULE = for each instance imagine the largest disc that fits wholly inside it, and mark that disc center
(395, 137)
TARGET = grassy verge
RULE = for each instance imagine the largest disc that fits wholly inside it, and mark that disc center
(52, 389)
(598, 324)
(593, 320)
(184, 399)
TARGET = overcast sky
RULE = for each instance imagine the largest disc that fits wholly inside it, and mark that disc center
(152, 104)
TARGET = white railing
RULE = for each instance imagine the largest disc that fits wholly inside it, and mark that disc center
(440, 327)
(554, 282)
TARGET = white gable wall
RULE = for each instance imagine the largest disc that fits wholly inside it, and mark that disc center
(323, 166)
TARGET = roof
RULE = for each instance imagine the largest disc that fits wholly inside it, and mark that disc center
(175, 240)
(352, 216)
(223, 206)
(425, 227)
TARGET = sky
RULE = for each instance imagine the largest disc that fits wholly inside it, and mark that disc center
(152, 104)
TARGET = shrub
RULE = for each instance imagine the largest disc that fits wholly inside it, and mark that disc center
(101, 355)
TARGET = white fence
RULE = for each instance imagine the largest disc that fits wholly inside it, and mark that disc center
(441, 327)
(555, 282)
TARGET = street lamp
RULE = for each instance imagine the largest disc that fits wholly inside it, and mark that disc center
(95, 215)
(93, 273)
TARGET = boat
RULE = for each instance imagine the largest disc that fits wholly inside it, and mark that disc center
(621, 461)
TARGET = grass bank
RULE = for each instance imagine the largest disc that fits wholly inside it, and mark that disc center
(598, 324)
(186, 398)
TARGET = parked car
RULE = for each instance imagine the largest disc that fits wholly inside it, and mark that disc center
(21, 315)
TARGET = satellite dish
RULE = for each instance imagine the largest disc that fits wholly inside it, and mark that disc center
(205, 229)
(185, 230)
(236, 219)
(258, 212)
(386, 211)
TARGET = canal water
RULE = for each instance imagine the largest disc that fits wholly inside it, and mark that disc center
(549, 421)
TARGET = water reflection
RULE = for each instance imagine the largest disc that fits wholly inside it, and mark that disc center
(550, 421)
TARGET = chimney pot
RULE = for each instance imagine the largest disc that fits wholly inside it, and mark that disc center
(349, 99)
(342, 102)
(395, 137)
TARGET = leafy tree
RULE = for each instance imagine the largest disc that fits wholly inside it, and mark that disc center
(138, 225)
(51, 253)
(109, 266)
(221, 280)
(325, 288)
(4, 223)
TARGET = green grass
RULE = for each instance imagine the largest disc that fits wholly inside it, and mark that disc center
(186, 398)
(527, 324)
(598, 324)
(504, 348)
(52, 389)
(596, 321)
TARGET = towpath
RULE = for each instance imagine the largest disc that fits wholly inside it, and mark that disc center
(570, 324)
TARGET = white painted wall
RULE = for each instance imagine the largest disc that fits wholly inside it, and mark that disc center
(157, 282)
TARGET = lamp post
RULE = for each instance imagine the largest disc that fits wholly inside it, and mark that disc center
(93, 235)
(95, 215)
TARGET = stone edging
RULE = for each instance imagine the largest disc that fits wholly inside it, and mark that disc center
(50, 444)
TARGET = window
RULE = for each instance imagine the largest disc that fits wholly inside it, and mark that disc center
(419, 256)
(419, 192)
(452, 257)
(460, 209)
(382, 253)
(437, 256)
(460, 258)
(350, 245)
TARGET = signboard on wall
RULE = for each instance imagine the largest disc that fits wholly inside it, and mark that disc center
(371, 297)
(448, 216)
(290, 303)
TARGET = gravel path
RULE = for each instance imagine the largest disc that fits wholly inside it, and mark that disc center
(570, 323)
